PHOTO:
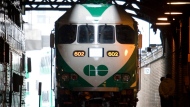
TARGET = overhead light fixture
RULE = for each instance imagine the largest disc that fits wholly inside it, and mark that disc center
(163, 18)
(178, 3)
(161, 23)
(65, 6)
(130, 11)
(135, 6)
(120, 2)
(173, 13)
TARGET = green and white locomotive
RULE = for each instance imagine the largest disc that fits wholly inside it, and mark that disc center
(96, 56)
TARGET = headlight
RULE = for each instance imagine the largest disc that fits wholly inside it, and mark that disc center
(74, 76)
(65, 77)
(125, 77)
(117, 77)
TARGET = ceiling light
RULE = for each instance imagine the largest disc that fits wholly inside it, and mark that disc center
(130, 11)
(65, 6)
(135, 6)
(163, 18)
(163, 23)
(120, 2)
(178, 3)
(173, 13)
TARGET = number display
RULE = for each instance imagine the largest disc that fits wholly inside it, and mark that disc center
(79, 53)
(112, 53)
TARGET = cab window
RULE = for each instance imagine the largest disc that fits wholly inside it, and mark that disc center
(85, 34)
(125, 34)
(106, 34)
(67, 34)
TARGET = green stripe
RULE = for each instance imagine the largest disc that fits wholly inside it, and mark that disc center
(96, 10)
(130, 68)
(67, 69)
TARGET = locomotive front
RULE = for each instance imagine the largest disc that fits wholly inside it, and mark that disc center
(96, 53)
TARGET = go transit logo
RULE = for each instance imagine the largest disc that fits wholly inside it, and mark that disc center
(90, 70)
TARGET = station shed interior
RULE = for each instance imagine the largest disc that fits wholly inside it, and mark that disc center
(173, 56)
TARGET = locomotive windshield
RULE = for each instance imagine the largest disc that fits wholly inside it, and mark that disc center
(125, 34)
(67, 34)
(86, 34)
(106, 34)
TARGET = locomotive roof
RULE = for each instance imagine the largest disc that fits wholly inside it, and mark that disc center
(96, 13)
